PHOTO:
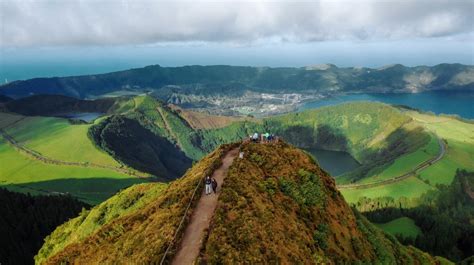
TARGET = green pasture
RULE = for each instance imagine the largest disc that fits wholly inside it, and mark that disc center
(56, 138)
(460, 153)
(411, 187)
(401, 226)
(22, 173)
(408, 162)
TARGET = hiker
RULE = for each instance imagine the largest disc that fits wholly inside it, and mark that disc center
(267, 137)
(208, 182)
(255, 137)
(214, 185)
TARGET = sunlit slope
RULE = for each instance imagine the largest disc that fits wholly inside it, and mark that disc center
(405, 163)
(458, 137)
(59, 139)
(64, 161)
(121, 204)
(92, 185)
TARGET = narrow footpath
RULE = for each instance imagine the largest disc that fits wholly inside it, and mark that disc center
(190, 245)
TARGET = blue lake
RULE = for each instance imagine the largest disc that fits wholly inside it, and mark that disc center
(85, 116)
(459, 103)
(334, 162)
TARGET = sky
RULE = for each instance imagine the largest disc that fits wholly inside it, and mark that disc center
(69, 37)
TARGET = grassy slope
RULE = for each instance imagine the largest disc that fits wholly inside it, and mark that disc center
(201, 120)
(411, 187)
(363, 124)
(7, 119)
(140, 235)
(401, 226)
(21, 173)
(406, 163)
(57, 139)
(174, 128)
(460, 154)
(77, 229)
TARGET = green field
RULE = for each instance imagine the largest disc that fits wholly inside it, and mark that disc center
(58, 139)
(460, 153)
(401, 226)
(408, 162)
(411, 187)
(22, 173)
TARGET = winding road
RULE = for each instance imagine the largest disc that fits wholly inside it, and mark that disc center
(427, 163)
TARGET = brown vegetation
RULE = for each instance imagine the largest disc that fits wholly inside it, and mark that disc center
(201, 120)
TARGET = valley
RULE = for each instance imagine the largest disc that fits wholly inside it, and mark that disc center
(393, 150)
(391, 156)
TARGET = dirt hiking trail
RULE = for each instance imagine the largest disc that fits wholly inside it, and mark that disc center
(189, 247)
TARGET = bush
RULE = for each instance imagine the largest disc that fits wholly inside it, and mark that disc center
(320, 236)
(269, 185)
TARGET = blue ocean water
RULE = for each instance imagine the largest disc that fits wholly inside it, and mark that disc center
(447, 102)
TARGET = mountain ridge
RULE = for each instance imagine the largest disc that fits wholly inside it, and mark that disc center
(230, 80)
(276, 205)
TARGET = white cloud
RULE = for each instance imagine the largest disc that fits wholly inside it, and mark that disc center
(100, 22)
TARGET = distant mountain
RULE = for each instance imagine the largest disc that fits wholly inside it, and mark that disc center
(276, 206)
(169, 83)
(44, 105)
(4, 99)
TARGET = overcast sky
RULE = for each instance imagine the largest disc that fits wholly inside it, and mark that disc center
(271, 33)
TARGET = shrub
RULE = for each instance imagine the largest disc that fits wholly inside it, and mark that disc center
(269, 185)
(320, 236)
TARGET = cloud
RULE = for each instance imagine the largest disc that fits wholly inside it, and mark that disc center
(107, 22)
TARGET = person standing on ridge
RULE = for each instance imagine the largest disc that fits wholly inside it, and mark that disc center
(208, 183)
(214, 185)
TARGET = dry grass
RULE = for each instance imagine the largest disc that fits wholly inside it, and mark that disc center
(201, 120)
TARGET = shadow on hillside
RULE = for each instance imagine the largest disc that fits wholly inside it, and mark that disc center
(136, 146)
(89, 190)
(398, 143)
(323, 137)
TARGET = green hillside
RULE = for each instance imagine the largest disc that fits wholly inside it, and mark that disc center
(403, 226)
(62, 162)
(458, 136)
(276, 205)
(143, 134)
(58, 138)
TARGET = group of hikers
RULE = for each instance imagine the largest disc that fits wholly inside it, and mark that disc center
(211, 183)
(262, 137)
